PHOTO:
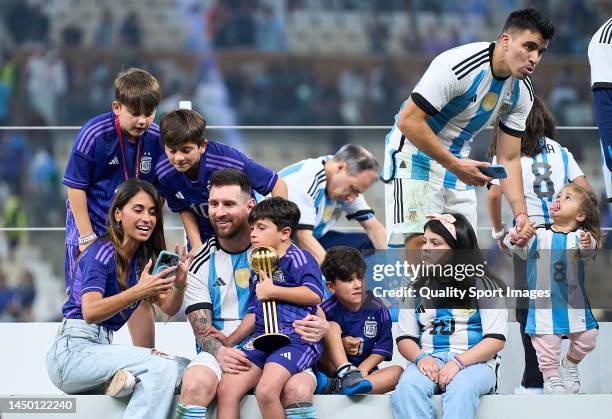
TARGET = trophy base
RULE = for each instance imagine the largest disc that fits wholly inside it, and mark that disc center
(271, 342)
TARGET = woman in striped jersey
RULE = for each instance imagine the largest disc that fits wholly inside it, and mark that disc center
(555, 263)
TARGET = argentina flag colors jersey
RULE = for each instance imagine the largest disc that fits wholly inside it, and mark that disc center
(453, 330)
(462, 96)
(543, 177)
(306, 182)
(218, 280)
(555, 264)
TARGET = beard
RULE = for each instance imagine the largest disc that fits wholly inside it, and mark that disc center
(231, 233)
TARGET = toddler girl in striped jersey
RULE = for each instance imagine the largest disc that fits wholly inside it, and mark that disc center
(555, 262)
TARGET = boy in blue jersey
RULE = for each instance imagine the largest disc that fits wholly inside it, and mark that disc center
(297, 289)
(360, 330)
(184, 176)
(110, 149)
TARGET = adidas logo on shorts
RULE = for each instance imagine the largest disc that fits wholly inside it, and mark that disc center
(114, 161)
(286, 355)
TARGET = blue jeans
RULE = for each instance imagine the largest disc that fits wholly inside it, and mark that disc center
(82, 359)
(413, 395)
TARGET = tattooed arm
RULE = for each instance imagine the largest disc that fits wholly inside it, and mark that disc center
(231, 360)
(201, 324)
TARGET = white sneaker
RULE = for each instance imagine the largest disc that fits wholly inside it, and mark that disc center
(571, 378)
(122, 384)
(554, 385)
(520, 390)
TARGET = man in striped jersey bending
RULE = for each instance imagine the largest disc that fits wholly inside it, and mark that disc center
(427, 168)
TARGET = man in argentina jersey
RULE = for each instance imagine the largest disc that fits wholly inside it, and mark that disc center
(600, 58)
(184, 176)
(325, 188)
(217, 292)
(427, 168)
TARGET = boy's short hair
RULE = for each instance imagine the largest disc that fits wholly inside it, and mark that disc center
(281, 212)
(227, 177)
(530, 19)
(182, 126)
(341, 262)
(138, 90)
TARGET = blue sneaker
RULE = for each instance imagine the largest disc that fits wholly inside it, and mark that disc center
(326, 385)
(353, 382)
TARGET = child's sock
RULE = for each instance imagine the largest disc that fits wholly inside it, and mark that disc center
(190, 411)
(300, 410)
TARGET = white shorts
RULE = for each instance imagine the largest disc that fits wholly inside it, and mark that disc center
(207, 360)
(408, 201)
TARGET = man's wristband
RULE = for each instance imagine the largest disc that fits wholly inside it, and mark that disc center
(87, 239)
(459, 363)
(179, 289)
(519, 213)
(421, 356)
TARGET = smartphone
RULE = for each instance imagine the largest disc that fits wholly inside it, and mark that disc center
(165, 260)
(496, 171)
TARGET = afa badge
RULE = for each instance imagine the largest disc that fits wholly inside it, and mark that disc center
(145, 164)
(242, 276)
(370, 327)
(489, 101)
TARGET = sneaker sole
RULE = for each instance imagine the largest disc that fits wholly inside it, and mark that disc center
(121, 385)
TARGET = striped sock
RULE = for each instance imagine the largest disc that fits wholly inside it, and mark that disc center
(190, 411)
(301, 410)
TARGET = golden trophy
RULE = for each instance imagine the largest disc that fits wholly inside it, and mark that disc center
(266, 259)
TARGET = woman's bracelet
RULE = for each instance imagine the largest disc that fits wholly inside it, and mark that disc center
(459, 363)
(421, 356)
(123, 299)
(83, 240)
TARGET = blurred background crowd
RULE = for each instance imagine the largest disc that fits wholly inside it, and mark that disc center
(241, 62)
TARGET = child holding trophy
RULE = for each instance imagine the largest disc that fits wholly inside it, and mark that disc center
(286, 285)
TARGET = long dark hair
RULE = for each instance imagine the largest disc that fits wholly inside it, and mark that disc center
(468, 254)
(149, 249)
(539, 125)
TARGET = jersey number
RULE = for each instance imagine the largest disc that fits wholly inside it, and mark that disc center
(542, 178)
(444, 327)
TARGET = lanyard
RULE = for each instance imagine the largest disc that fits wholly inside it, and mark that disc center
(137, 163)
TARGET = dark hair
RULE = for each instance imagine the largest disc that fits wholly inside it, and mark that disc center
(540, 124)
(530, 19)
(227, 177)
(281, 212)
(149, 249)
(138, 90)
(469, 254)
(588, 205)
(341, 262)
(182, 126)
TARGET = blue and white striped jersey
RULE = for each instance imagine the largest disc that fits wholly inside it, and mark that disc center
(306, 182)
(555, 263)
(452, 330)
(462, 97)
(219, 281)
(543, 177)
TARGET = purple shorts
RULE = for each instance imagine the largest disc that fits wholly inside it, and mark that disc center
(295, 357)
